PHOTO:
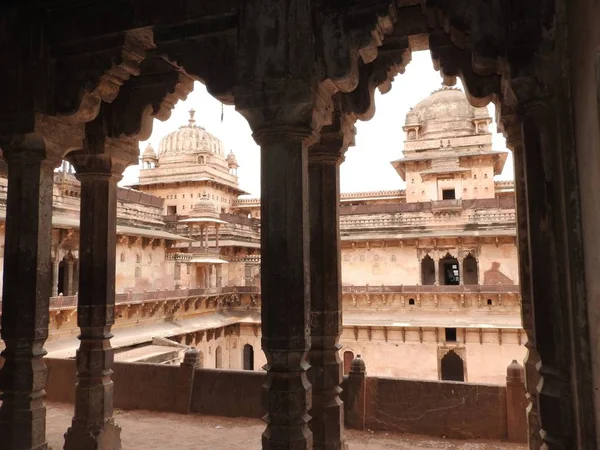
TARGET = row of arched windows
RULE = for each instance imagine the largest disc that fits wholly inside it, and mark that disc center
(449, 270)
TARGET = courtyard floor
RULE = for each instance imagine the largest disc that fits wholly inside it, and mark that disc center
(168, 431)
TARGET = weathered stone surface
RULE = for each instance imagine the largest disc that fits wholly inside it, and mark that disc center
(25, 296)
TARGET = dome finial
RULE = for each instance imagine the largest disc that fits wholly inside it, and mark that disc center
(192, 121)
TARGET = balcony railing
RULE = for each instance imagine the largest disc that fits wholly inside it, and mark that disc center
(432, 289)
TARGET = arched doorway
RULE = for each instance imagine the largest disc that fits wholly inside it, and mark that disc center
(248, 357)
(427, 271)
(449, 274)
(218, 358)
(470, 270)
(200, 360)
(452, 367)
(348, 358)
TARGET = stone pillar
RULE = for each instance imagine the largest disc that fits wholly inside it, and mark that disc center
(201, 236)
(69, 266)
(558, 299)
(25, 294)
(516, 403)
(326, 372)
(285, 285)
(185, 381)
(217, 235)
(75, 288)
(93, 424)
(461, 271)
(356, 395)
(436, 267)
(532, 376)
(55, 265)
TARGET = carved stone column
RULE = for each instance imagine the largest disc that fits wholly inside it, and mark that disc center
(93, 424)
(436, 268)
(55, 264)
(70, 268)
(561, 336)
(461, 270)
(326, 371)
(532, 377)
(25, 295)
(285, 285)
(75, 287)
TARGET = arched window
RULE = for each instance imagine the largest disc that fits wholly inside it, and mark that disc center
(348, 358)
(248, 357)
(427, 271)
(411, 301)
(138, 258)
(200, 360)
(218, 358)
(138, 272)
(470, 270)
(449, 275)
(122, 257)
(452, 367)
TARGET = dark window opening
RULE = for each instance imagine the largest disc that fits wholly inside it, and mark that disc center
(452, 367)
(411, 301)
(171, 210)
(489, 302)
(448, 194)
(248, 357)
(450, 334)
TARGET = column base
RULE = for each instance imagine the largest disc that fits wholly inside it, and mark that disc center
(108, 438)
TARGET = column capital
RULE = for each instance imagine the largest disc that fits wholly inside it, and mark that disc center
(100, 166)
(18, 147)
(270, 134)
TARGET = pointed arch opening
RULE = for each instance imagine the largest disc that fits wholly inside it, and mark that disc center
(427, 271)
(248, 357)
(452, 367)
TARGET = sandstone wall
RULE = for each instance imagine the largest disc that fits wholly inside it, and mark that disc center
(450, 409)
(376, 266)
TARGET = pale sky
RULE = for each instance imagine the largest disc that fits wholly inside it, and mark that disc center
(367, 166)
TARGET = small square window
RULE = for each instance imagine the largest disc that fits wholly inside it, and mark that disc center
(450, 334)
(448, 194)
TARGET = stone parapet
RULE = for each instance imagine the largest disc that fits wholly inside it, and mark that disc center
(452, 409)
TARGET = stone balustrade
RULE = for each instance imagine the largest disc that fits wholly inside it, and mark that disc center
(432, 289)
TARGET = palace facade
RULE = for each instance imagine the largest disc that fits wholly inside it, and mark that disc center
(429, 273)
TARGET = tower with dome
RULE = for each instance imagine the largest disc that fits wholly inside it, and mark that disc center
(190, 163)
(448, 150)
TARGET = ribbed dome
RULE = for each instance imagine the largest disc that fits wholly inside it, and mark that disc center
(446, 113)
(188, 141)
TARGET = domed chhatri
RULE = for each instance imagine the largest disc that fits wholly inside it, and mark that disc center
(149, 152)
(446, 113)
(448, 152)
(190, 143)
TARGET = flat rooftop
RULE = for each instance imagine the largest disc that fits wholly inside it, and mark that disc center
(165, 431)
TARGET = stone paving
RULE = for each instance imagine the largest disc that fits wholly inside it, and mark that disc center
(165, 431)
